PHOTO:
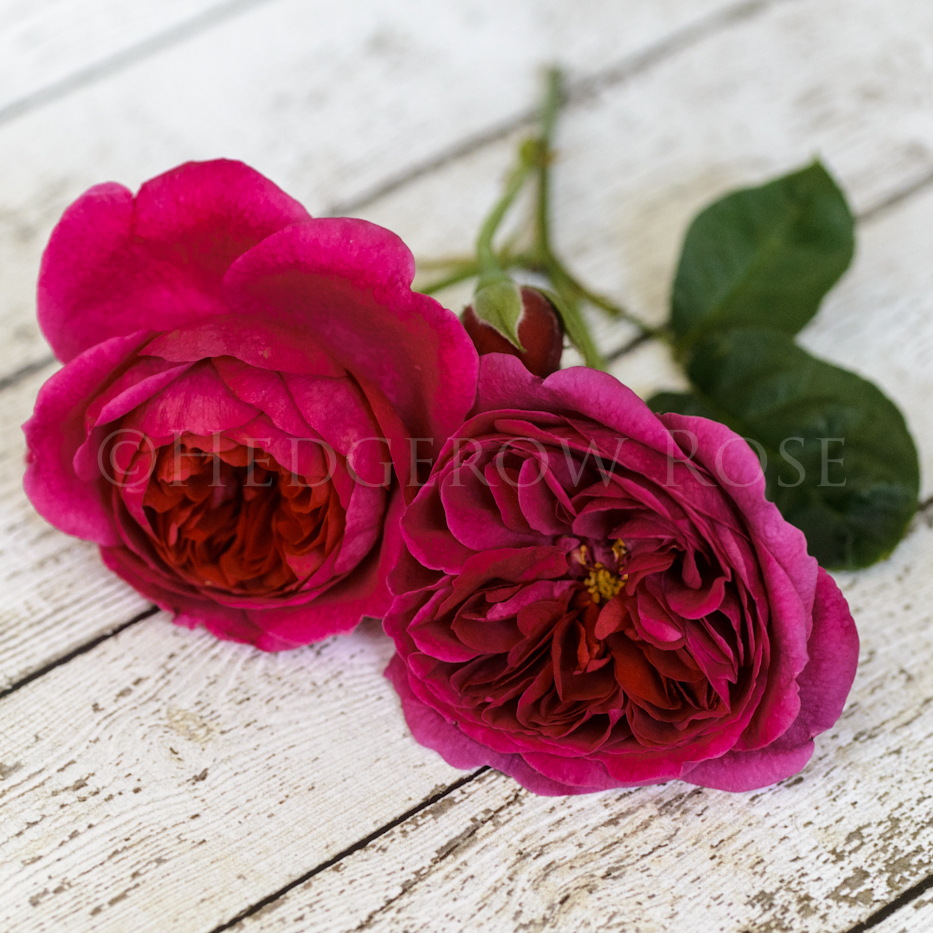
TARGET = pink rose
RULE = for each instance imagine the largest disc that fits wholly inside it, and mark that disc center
(233, 423)
(599, 597)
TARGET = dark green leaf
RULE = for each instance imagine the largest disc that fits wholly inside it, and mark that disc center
(686, 403)
(770, 390)
(763, 257)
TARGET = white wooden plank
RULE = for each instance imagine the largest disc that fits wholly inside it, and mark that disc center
(821, 851)
(44, 42)
(56, 594)
(152, 819)
(328, 99)
(166, 781)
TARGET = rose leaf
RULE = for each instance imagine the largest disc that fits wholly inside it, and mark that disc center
(805, 416)
(763, 257)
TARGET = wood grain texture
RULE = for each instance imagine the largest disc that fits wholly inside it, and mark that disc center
(328, 99)
(56, 594)
(165, 781)
(827, 78)
(821, 851)
(44, 43)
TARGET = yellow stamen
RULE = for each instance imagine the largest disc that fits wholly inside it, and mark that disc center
(619, 549)
(603, 583)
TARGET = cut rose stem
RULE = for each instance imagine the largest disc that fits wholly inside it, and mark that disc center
(543, 257)
(535, 158)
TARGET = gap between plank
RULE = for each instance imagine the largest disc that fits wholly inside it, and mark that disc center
(898, 197)
(579, 91)
(350, 850)
(902, 900)
(23, 372)
(77, 652)
(127, 57)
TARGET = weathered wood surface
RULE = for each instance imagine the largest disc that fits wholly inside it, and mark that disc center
(725, 102)
(818, 852)
(56, 594)
(46, 46)
(167, 781)
(331, 100)
(916, 917)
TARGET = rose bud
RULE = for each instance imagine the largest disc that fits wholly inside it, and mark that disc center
(244, 396)
(539, 332)
(595, 596)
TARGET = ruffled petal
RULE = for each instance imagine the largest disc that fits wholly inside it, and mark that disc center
(55, 433)
(115, 263)
(349, 283)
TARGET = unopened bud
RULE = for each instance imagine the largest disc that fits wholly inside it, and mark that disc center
(539, 332)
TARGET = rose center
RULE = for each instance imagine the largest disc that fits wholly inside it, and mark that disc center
(238, 521)
(598, 569)
(602, 582)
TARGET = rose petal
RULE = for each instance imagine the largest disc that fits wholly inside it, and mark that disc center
(57, 430)
(348, 282)
(163, 254)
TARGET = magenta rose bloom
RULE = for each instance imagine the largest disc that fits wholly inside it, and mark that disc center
(597, 597)
(246, 395)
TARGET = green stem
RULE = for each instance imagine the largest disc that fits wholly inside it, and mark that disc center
(438, 263)
(466, 271)
(542, 255)
(545, 153)
(470, 269)
(575, 323)
(600, 301)
(544, 258)
(487, 261)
